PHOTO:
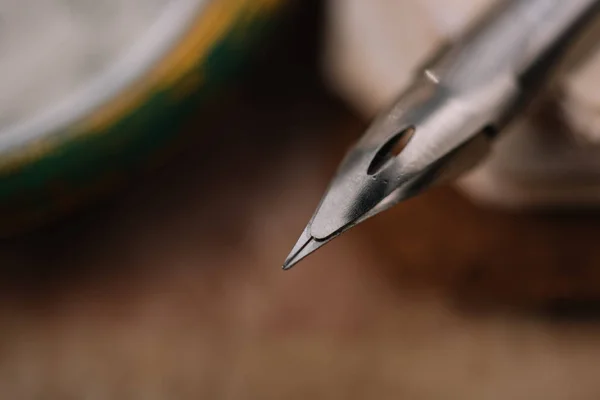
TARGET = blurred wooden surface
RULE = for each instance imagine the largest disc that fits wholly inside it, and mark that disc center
(174, 289)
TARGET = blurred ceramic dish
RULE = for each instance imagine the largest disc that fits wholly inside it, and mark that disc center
(117, 122)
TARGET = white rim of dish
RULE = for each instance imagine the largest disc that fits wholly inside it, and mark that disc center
(159, 39)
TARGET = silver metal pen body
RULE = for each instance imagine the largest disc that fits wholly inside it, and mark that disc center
(472, 87)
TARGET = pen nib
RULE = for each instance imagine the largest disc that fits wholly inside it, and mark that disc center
(425, 139)
(305, 245)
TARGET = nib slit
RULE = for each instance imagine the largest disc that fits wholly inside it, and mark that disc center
(292, 259)
(305, 246)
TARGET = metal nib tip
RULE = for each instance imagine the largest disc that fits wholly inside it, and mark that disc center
(287, 265)
(305, 245)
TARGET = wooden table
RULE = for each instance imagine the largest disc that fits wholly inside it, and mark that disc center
(173, 290)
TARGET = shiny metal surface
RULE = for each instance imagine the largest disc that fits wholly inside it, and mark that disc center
(444, 122)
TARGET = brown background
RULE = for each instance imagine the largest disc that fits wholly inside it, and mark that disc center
(174, 289)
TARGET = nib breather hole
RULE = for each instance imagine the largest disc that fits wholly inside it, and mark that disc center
(391, 149)
(489, 131)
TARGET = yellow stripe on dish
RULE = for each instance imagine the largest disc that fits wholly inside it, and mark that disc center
(214, 22)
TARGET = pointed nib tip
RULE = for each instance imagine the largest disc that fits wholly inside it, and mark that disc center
(293, 259)
(306, 245)
(296, 253)
(287, 266)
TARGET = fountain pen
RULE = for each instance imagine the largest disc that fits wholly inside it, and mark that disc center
(444, 123)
